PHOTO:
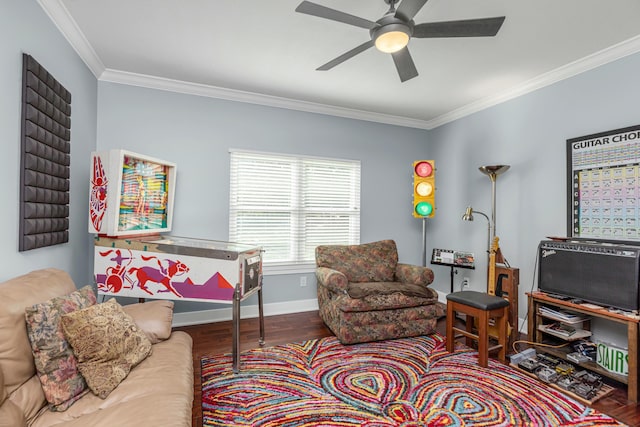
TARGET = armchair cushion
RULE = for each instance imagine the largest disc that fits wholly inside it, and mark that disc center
(361, 290)
(394, 301)
(369, 262)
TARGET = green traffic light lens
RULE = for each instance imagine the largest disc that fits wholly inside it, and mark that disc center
(424, 208)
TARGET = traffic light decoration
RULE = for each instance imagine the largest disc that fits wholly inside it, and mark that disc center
(424, 188)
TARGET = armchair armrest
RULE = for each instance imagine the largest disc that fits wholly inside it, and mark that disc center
(333, 280)
(414, 274)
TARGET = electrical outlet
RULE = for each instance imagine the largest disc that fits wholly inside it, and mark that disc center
(466, 283)
(303, 281)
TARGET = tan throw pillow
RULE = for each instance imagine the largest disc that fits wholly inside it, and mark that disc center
(107, 343)
(153, 317)
(55, 363)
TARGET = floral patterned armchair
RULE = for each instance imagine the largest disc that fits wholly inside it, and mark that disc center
(364, 294)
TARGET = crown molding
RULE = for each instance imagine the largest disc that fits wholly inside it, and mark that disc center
(62, 19)
(60, 16)
(605, 56)
(161, 83)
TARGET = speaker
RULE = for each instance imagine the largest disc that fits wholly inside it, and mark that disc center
(599, 273)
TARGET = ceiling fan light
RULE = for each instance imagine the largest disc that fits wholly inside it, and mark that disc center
(392, 41)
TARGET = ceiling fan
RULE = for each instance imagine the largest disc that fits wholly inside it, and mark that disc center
(391, 33)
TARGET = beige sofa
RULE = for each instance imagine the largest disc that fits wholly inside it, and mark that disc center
(157, 392)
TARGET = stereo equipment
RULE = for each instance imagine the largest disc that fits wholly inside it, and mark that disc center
(600, 273)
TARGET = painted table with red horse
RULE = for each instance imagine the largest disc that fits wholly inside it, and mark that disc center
(181, 269)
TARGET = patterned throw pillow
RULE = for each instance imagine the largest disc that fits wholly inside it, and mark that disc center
(107, 343)
(55, 363)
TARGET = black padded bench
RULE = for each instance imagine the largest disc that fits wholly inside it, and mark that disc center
(481, 306)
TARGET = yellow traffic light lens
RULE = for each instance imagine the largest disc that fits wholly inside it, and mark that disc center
(424, 208)
(424, 169)
(424, 189)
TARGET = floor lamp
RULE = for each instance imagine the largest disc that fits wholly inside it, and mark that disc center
(492, 172)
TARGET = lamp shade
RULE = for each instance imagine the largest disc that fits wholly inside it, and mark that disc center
(494, 170)
(468, 214)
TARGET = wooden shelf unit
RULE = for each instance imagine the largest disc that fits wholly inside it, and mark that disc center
(537, 299)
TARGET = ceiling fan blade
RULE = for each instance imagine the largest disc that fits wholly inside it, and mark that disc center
(335, 15)
(409, 8)
(484, 27)
(347, 55)
(404, 64)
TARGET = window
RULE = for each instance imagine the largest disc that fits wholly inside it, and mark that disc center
(291, 204)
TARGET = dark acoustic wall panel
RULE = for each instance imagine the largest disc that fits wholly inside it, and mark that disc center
(45, 160)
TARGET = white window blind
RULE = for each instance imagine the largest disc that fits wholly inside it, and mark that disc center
(291, 204)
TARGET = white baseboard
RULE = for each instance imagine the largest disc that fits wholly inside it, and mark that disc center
(246, 312)
(251, 311)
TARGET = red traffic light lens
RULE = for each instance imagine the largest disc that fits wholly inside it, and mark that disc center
(424, 169)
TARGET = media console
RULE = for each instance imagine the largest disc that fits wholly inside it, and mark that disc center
(631, 321)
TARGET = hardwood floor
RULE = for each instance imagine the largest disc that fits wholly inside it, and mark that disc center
(215, 338)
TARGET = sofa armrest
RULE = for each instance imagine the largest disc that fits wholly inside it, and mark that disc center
(414, 274)
(153, 317)
(333, 280)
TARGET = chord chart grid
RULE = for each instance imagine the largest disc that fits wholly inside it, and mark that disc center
(604, 179)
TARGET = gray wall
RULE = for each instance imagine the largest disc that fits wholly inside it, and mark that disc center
(529, 133)
(197, 132)
(25, 28)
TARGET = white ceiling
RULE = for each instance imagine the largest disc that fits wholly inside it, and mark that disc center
(262, 51)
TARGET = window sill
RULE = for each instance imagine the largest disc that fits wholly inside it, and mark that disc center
(280, 269)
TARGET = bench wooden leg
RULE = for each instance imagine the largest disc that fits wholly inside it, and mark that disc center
(503, 339)
(469, 324)
(450, 320)
(483, 339)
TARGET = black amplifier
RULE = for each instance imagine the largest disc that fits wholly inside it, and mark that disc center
(600, 273)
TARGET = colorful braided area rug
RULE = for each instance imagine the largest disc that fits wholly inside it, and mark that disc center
(406, 382)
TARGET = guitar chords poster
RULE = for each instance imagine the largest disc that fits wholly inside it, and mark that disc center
(603, 176)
